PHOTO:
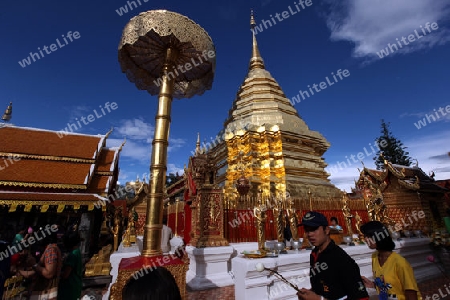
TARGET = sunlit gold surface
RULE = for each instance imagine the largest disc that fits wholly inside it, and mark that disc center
(158, 167)
(99, 263)
(262, 163)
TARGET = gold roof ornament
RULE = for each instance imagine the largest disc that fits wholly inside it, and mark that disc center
(8, 113)
(12, 207)
(197, 145)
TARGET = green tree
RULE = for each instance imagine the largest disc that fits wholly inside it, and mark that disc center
(392, 149)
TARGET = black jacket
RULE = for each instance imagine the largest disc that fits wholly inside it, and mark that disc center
(334, 274)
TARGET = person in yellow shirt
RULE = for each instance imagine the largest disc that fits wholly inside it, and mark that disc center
(392, 273)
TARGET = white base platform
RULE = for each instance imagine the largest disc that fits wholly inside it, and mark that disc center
(209, 267)
(250, 284)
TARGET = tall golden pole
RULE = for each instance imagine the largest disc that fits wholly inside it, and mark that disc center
(168, 55)
(310, 200)
(158, 167)
(176, 217)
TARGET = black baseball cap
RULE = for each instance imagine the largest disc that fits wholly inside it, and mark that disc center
(372, 227)
(314, 219)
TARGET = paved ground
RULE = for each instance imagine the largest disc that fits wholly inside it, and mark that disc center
(438, 287)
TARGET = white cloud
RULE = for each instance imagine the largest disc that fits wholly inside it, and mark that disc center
(172, 168)
(128, 176)
(437, 114)
(136, 153)
(175, 144)
(136, 129)
(430, 152)
(132, 149)
(372, 24)
(344, 177)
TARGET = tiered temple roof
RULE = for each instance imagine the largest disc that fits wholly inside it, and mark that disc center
(45, 168)
(411, 178)
(405, 190)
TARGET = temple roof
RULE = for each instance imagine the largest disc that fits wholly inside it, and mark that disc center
(410, 177)
(40, 165)
(70, 146)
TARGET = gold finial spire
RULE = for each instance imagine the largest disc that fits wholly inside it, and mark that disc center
(256, 61)
(197, 145)
(8, 113)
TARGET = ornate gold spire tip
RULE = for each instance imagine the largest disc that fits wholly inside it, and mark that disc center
(197, 145)
(252, 20)
(256, 61)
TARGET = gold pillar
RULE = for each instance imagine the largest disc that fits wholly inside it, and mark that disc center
(158, 167)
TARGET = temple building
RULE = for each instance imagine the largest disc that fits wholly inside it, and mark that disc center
(46, 179)
(261, 175)
(412, 199)
(268, 149)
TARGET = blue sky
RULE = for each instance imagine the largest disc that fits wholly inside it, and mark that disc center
(305, 47)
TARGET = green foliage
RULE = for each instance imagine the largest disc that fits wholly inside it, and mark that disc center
(392, 149)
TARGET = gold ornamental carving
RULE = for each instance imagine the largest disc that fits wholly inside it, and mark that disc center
(255, 152)
(47, 157)
(45, 205)
(208, 212)
(45, 185)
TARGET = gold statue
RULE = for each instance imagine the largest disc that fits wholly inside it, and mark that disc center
(358, 220)
(115, 232)
(260, 219)
(293, 220)
(278, 215)
(381, 213)
(371, 210)
(104, 229)
(126, 238)
(347, 215)
(131, 226)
